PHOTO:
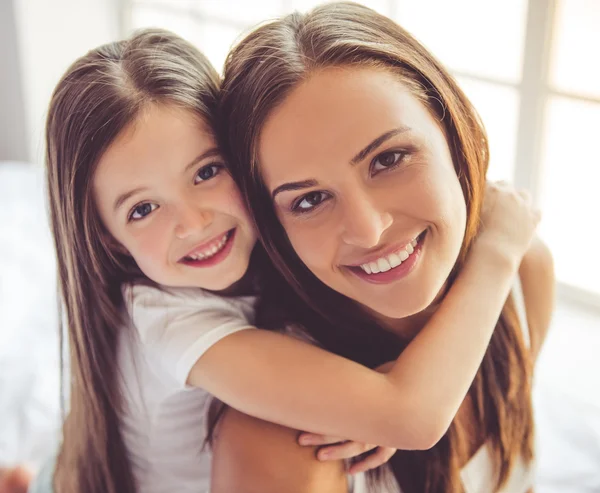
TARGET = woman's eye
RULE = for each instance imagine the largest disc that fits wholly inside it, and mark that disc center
(208, 172)
(387, 160)
(142, 210)
(309, 201)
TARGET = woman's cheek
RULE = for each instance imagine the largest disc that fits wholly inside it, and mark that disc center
(313, 243)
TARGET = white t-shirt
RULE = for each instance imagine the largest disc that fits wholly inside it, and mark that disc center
(163, 420)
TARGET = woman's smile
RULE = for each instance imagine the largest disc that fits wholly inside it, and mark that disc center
(359, 166)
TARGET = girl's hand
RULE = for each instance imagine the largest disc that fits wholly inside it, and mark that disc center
(509, 221)
(345, 449)
(333, 448)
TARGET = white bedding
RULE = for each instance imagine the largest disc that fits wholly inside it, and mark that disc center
(567, 394)
(29, 368)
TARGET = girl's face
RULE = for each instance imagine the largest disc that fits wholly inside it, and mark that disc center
(164, 194)
(363, 182)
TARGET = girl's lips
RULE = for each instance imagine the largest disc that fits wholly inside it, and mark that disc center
(200, 249)
(405, 268)
(217, 257)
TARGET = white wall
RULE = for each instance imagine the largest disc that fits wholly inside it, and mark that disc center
(13, 133)
(50, 35)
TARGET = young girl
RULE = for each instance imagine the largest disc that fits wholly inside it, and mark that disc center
(158, 281)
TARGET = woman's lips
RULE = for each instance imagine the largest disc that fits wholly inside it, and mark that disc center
(391, 267)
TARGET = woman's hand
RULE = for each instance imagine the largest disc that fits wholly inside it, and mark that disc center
(509, 221)
(334, 448)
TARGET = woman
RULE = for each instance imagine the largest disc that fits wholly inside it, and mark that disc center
(359, 142)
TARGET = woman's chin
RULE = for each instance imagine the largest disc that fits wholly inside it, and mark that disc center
(398, 308)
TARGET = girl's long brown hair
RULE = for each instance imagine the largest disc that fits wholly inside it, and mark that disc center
(259, 73)
(100, 95)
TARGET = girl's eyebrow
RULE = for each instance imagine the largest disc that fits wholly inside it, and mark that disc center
(212, 152)
(124, 196)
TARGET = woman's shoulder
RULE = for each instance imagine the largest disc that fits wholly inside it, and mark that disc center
(250, 454)
(536, 273)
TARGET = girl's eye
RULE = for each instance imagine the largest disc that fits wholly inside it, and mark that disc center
(142, 210)
(309, 201)
(387, 160)
(208, 172)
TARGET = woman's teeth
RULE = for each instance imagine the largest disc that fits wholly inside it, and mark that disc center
(209, 252)
(388, 262)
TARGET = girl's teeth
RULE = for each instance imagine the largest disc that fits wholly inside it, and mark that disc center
(409, 248)
(207, 254)
(414, 243)
(403, 255)
(374, 267)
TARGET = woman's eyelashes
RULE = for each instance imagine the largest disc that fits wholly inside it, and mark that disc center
(140, 211)
(388, 160)
(309, 201)
(208, 172)
(385, 161)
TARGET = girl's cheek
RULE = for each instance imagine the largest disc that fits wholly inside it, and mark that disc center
(149, 244)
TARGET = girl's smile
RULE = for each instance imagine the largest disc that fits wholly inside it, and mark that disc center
(165, 196)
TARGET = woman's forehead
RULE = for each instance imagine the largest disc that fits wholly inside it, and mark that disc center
(335, 113)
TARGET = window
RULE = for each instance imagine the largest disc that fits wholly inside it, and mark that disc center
(529, 67)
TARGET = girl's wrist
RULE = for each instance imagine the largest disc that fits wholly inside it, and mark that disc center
(489, 253)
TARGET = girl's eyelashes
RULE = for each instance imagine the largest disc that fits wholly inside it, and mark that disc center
(140, 211)
(388, 160)
(208, 172)
(205, 173)
(309, 201)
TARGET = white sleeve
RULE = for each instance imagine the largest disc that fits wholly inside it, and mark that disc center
(179, 325)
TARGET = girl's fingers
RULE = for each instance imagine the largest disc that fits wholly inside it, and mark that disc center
(345, 450)
(376, 459)
(312, 439)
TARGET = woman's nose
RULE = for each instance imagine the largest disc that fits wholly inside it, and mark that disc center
(364, 222)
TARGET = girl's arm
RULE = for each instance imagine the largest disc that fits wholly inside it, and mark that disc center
(248, 447)
(279, 379)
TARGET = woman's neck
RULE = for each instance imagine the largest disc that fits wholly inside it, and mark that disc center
(408, 327)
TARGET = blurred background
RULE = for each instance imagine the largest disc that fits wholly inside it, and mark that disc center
(532, 69)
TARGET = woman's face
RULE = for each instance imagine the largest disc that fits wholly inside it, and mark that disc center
(363, 182)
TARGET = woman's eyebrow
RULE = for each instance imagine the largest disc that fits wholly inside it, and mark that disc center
(294, 185)
(377, 142)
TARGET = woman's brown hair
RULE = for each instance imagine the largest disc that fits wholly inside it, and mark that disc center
(100, 95)
(260, 73)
